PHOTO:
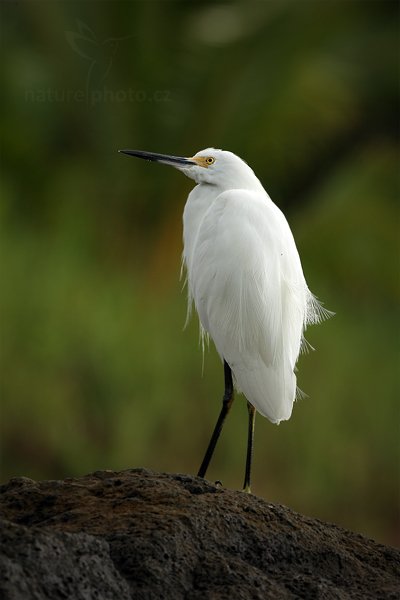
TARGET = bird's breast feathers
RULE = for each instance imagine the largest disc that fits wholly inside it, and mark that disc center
(245, 267)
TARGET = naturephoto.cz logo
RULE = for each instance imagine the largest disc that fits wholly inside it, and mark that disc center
(99, 55)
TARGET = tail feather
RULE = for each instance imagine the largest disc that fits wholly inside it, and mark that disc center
(271, 391)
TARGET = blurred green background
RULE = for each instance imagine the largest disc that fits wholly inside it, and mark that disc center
(96, 370)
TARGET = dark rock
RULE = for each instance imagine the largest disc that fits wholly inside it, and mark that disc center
(47, 564)
(143, 535)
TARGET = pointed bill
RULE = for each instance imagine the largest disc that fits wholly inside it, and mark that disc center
(166, 159)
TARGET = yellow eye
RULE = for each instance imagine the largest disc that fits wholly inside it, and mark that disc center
(210, 160)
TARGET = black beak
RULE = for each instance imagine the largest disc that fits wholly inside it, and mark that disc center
(175, 161)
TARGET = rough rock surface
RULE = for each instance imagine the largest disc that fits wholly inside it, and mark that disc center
(143, 535)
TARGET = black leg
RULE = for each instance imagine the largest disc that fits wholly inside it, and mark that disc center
(250, 441)
(226, 404)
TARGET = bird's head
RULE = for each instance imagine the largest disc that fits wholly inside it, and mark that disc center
(212, 166)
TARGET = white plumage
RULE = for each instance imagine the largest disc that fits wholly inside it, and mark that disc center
(246, 280)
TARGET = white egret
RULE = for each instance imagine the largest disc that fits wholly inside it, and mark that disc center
(245, 278)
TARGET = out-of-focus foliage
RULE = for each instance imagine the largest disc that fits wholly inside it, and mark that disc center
(96, 371)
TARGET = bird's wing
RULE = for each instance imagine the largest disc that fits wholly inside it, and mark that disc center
(249, 291)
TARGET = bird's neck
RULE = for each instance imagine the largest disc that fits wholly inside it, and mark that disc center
(199, 201)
